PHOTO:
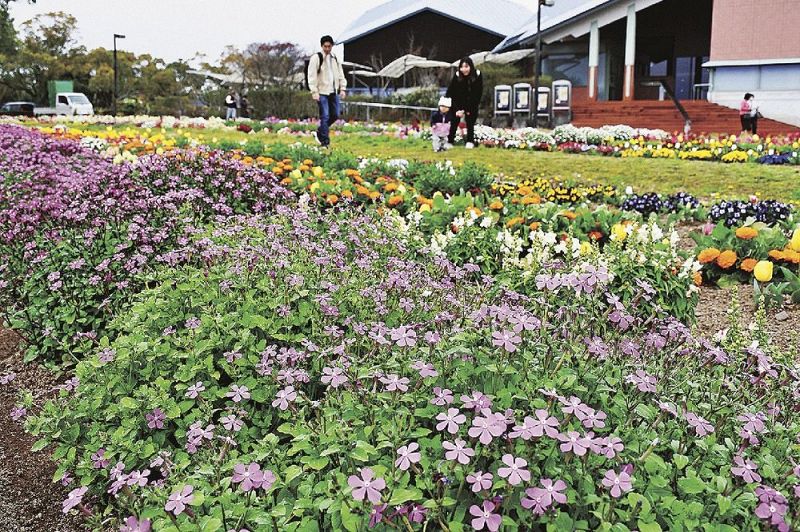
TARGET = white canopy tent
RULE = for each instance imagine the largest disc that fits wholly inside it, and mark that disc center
(505, 58)
(403, 64)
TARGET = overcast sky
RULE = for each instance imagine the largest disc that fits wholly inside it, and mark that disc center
(176, 29)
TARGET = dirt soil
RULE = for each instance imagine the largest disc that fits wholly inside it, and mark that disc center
(29, 501)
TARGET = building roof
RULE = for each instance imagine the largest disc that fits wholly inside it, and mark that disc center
(500, 17)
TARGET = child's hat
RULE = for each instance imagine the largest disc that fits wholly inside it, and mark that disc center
(444, 101)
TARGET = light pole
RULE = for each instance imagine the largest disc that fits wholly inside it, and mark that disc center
(114, 102)
(537, 67)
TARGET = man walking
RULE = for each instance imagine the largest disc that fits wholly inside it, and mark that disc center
(230, 105)
(327, 84)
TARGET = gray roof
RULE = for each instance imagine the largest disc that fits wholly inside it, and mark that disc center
(562, 11)
(500, 17)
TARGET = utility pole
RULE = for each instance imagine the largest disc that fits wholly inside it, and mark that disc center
(116, 89)
(537, 67)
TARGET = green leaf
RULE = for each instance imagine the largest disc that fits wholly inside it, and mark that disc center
(724, 504)
(691, 485)
(350, 521)
(680, 460)
(316, 463)
(291, 473)
(648, 527)
(404, 495)
(39, 445)
(210, 524)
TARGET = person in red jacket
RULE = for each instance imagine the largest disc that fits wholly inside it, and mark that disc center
(466, 90)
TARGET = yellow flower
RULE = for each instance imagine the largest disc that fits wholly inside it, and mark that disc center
(763, 271)
(586, 248)
(313, 187)
(794, 244)
(317, 171)
(425, 208)
(619, 233)
(296, 174)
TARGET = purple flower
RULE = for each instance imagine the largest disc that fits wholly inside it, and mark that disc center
(700, 425)
(485, 517)
(250, 476)
(232, 423)
(535, 428)
(284, 397)
(395, 383)
(555, 489)
(138, 478)
(476, 402)
(643, 381)
(618, 484)
(417, 513)
(480, 481)
(746, 469)
(515, 471)
(179, 499)
(611, 446)
(442, 397)
(425, 370)
(591, 418)
(74, 498)
(333, 376)
(18, 412)
(192, 323)
(404, 336)
(451, 420)
(535, 500)
(99, 460)
(573, 405)
(194, 390)
(408, 455)
(458, 451)
(106, 355)
(132, 524)
(573, 441)
(366, 486)
(487, 426)
(155, 419)
(376, 514)
(508, 340)
(238, 393)
(432, 337)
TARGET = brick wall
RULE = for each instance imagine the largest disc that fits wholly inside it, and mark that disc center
(755, 29)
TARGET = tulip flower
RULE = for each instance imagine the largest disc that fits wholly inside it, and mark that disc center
(763, 271)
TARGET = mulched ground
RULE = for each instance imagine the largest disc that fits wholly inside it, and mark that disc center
(29, 501)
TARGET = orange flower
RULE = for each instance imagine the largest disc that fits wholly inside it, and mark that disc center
(394, 201)
(569, 215)
(708, 255)
(535, 226)
(422, 200)
(533, 199)
(332, 199)
(524, 190)
(277, 170)
(308, 162)
(776, 254)
(698, 278)
(748, 264)
(390, 187)
(726, 259)
(364, 191)
(475, 210)
(347, 194)
(791, 256)
(286, 181)
(517, 220)
(746, 233)
(374, 195)
(496, 205)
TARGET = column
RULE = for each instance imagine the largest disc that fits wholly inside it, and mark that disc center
(630, 54)
(594, 59)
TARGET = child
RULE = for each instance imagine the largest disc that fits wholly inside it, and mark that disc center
(440, 124)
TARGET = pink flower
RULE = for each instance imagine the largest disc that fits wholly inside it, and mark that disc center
(535, 428)
(485, 517)
(486, 427)
(284, 397)
(408, 455)
(395, 383)
(476, 402)
(178, 500)
(574, 442)
(74, 498)
(155, 419)
(480, 481)
(238, 393)
(508, 340)
(366, 486)
(458, 451)
(442, 397)
(404, 337)
(515, 473)
(700, 425)
(250, 476)
(132, 524)
(450, 420)
(194, 390)
(746, 469)
(425, 370)
(618, 484)
(333, 376)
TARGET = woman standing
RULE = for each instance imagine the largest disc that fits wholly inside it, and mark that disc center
(745, 112)
(466, 90)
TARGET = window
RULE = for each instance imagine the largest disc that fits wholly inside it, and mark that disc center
(63, 100)
(78, 99)
(572, 67)
(659, 69)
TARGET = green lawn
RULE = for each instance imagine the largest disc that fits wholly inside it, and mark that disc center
(709, 180)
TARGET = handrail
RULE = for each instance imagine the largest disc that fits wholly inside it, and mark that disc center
(681, 109)
(370, 105)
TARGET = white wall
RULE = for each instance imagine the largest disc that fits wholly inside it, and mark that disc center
(783, 106)
(776, 88)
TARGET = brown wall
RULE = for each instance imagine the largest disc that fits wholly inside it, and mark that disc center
(437, 36)
(762, 29)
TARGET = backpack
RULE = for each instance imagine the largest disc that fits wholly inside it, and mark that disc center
(305, 70)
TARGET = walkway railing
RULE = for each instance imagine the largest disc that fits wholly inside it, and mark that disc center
(687, 121)
(370, 105)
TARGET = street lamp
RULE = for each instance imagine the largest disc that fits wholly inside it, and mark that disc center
(537, 67)
(114, 102)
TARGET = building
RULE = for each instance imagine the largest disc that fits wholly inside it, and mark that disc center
(713, 50)
(438, 29)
